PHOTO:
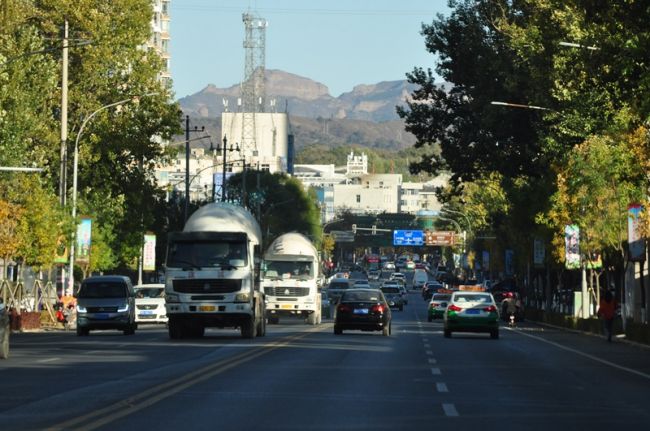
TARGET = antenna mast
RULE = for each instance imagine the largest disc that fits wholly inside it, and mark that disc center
(253, 91)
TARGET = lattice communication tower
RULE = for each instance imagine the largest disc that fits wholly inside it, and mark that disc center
(253, 91)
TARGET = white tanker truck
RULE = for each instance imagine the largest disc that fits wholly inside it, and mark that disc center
(290, 275)
(212, 273)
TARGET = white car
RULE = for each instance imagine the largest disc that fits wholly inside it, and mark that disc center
(150, 303)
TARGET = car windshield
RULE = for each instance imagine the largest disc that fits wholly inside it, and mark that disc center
(201, 254)
(150, 292)
(103, 289)
(285, 269)
(339, 285)
(472, 298)
(360, 297)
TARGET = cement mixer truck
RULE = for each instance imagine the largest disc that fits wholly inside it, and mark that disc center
(212, 273)
(290, 279)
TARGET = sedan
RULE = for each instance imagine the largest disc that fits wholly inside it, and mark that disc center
(363, 309)
(437, 306)
(393, 296)
(150, 303)
(471, 312)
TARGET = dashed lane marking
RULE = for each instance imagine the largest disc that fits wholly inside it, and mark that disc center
(441, 387)
(432, 361)
(436, 371)
(450, 410)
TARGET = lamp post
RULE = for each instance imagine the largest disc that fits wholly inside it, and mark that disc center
(75, 168)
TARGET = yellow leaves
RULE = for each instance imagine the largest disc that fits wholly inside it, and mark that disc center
(10, 215)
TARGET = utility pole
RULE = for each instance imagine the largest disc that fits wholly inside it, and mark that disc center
(187, 165)
(64, 115)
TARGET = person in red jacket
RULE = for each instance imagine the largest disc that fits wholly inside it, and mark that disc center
(607, 311)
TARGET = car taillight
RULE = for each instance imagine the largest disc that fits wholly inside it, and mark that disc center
(434, 304)
(343, 308)
(453, 307)
(378, 308)
(490, 309)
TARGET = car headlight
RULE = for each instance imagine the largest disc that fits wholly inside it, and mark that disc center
(242, 297)
(123, 308)
(81, 309)
(172, 297)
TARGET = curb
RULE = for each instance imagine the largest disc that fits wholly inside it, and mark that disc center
(619, 339)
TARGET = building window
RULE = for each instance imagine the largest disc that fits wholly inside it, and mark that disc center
(358, 199)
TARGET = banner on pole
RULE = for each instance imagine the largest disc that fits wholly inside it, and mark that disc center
(486, 260)
(149, 253)
(572, 246)
(509, 264)
(83, 240)
(635, 241)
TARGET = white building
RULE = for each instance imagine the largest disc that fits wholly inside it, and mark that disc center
(271, 139)
(172, 177)
(160, 38)
(369, 194)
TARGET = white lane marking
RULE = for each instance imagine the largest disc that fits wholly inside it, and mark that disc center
(428, 352)
(48, 360)
(450, 410)
(427, 345)
(435, 371)
(441, 387)
(432, 361)
(586, 355)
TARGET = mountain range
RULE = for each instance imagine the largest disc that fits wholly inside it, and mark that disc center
(304, 97)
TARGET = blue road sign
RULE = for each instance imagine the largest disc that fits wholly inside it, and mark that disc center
(408, 237)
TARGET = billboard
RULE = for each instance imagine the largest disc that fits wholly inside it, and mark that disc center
(408, 237)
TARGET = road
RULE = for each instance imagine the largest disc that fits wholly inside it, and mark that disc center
(305, 378)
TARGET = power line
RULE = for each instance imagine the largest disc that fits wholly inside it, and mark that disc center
(377, 12)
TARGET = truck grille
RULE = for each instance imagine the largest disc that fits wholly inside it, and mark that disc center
(286, 291)
(206, 285)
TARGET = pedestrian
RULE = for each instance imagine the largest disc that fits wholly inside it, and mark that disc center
(607, 311)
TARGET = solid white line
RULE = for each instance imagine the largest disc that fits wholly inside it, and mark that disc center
(48, 360)
(450, 410)
(441, 387)
(435, 371)
(432, 361)
(586, 355)
(429, 352)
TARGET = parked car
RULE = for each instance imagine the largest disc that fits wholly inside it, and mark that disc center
(150, 303)
(437, 306)
(471, 312)
(106, 302)
(393, 295)
(363, 309)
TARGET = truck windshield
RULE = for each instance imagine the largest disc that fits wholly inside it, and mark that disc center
(207, 254)
(286, 269)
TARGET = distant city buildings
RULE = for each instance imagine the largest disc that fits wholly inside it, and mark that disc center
(160, 37)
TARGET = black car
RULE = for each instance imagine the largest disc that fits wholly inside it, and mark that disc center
(362, 309)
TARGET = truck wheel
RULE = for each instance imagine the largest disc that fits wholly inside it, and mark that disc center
(261, 327)
(4, 342)
(248, 328)
(312, 319)
(176, 329)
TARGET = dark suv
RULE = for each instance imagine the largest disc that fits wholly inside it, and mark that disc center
(106, 302)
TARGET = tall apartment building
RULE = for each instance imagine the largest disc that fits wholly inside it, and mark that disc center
(160, 36)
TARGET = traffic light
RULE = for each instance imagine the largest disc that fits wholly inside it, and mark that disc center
(354, 228)
(374, 229)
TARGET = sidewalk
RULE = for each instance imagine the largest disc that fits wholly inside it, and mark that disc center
(636, 333)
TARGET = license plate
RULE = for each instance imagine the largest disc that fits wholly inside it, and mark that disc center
(287, 306)
(206, 308)
(146, 313)
(472, 311)
(360, 311)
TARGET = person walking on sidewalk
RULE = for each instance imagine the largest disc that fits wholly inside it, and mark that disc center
(607, 311)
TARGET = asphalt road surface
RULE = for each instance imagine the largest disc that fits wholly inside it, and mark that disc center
(301, 377)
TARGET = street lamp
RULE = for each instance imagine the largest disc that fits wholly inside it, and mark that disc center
(469, 223)
(75, 169)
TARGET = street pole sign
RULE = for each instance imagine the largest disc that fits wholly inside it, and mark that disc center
(439, 238)
(342, 236)
(408, 238)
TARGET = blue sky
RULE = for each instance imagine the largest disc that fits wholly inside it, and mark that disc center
(339, 43)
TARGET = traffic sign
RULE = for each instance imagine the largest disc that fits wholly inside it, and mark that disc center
(342, 236)
(440, 238)
(408, 237)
